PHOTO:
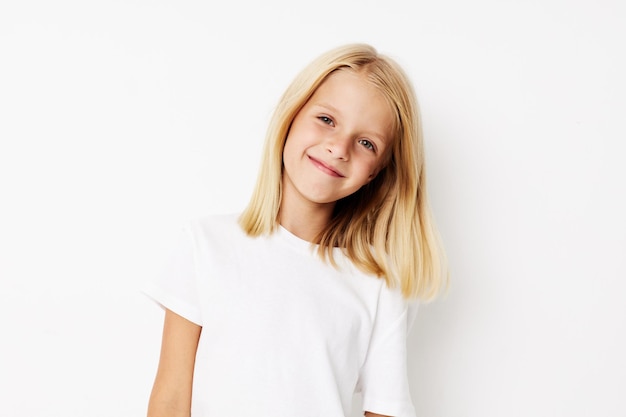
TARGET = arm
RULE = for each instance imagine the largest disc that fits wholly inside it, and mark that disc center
(368, 414)
(171, 392)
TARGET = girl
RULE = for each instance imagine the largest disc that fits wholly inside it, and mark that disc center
(307, 296)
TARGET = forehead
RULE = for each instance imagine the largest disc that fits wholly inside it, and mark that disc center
(355, 94)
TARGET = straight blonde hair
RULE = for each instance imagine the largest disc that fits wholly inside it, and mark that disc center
(386, 228)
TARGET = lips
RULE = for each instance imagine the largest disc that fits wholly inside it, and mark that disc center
(322, 166)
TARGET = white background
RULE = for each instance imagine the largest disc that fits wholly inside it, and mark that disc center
(119, 120)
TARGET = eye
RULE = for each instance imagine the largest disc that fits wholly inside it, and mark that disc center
(367, 144)
(327, 120)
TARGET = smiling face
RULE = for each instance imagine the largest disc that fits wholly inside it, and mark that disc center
(337, 143)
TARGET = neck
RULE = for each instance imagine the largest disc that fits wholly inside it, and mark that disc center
(301, 217)
(306, 224)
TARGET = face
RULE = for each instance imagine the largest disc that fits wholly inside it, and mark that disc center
(338, 141)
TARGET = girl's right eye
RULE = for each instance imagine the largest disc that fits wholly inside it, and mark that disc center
(326, 120)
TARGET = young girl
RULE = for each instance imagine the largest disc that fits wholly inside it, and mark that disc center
(306, 297)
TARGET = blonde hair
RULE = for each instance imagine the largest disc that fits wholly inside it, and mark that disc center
(385, 228)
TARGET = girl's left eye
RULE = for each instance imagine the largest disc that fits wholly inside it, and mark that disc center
(367, 144)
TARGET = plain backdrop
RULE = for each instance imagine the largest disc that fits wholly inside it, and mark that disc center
(120, 120)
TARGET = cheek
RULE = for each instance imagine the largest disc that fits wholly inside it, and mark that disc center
(374, 169)
(287, 150)
(296, 139)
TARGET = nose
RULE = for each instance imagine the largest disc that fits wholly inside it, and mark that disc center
(338, 147)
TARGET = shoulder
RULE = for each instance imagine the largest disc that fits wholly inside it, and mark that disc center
(214, 225)
(393, 306)
(216, 234)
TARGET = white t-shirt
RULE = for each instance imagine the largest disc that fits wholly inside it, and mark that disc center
(284, 334)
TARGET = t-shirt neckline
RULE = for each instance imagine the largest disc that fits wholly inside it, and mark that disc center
(294, 240)
(300, 244)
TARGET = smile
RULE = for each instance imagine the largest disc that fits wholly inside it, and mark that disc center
(325, 168)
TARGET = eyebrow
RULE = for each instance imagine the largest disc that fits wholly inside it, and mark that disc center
(328, 107)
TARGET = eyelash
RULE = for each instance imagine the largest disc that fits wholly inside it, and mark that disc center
(367, 144)
(327, 120)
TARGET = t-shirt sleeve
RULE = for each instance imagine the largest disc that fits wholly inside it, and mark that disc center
(175, 285)
(383, 380)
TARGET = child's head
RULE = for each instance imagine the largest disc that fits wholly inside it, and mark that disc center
(405, 159)
(376, 214)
